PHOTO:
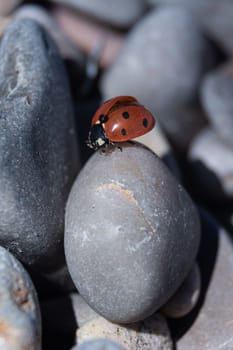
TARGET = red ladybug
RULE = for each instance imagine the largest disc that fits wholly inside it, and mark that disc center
(117, 120)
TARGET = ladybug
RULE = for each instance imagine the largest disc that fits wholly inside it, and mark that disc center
(117, 120)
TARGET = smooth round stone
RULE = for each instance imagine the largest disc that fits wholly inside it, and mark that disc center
(66, 47)
(210, 325)
(215, 17)
(186, 297)
(216, 94)
(153, 333)
(8, 6)
(121, 13)
(161, 62)
(131, 233)
(211, 161)
(99, 344)
(38, 150)
(19, 309)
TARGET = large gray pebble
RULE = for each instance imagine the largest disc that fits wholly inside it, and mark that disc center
(121, 13)
(98, 344)
(211, 160)
(161, 62)
(19, 310)
(131, 233)
(211, 325)
(215, 16)
(38, 154)
(216, 93)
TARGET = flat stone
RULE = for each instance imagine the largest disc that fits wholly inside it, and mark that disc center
(131, 233)
(161, 62)
(210, 325)
(216, 94)
(19, 309)
(211, 163)
(38, 149)
(153, 333)
(122, 13)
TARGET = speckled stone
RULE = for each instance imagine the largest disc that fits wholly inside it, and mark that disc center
(216, 93)
(211, 162)
(153, 333)
(99, 344)
(161, 62)
(121, 13)
(215, 17)
(66, 47)
(19, 309)
(131, 233)
(210, 326)
(38, 150)
(186, 297)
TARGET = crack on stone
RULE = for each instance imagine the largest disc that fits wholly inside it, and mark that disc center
(128, 195)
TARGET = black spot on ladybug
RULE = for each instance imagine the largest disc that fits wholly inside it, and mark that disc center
(145, 123)
(125, 115)
(103, 118)
(123, 132)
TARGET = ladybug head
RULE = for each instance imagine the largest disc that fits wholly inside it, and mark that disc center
(96, 137)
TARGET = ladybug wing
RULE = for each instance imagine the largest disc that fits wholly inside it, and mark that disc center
(111, 105)
(129, 122)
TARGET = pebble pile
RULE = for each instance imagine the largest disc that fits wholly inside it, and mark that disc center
(127, 247)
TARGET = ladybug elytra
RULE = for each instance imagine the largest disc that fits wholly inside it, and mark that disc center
(117, 120)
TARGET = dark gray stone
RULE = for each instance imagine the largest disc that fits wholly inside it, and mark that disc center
(186, 297)
(211, 162)
(38, 150)
(210, 326)
(131, 233)
(99, 344)
(20, 318)
(121, 13)
(161, 62)
(216, 94)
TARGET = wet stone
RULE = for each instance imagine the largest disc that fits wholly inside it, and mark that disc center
(19, 309)
(153, 333)
(216, 94)
(38, 151)
(211, 163)
(161, 61)
(121, 13)
(132, 216)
